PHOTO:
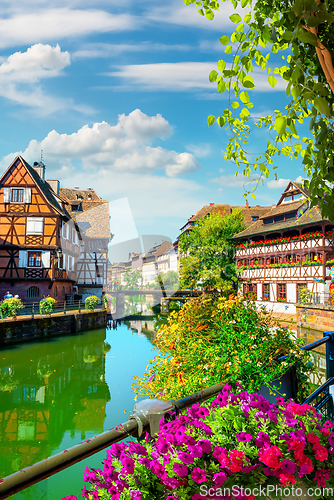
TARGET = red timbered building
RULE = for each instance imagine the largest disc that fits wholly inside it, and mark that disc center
(91, 215)
(34, 259)
(288, 248)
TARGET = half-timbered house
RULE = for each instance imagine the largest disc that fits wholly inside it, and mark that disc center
(91, 215)
(288, 248)
(33, 260)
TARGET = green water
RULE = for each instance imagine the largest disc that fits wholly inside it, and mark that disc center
(56, 393)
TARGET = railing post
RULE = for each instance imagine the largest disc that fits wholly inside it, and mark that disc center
(329, 354)
(33, 310)
(65, 307)
(79, 309)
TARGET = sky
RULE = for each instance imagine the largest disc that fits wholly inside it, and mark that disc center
(115, 96)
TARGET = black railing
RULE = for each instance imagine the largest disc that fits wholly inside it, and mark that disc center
(147, 415)
(61, 307)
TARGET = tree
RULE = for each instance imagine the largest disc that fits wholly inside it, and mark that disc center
(301, 31)
(209, 255)
(132, 279)
(170, 281)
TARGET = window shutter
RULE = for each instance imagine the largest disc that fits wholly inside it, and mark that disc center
(27, 195)
(46, 259)
(39, 225)
(22, 258)
(35, 225)
(6, 195)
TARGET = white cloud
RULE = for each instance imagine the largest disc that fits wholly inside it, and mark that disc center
(182, 76)
(239, 180)
(124, 147)
(107, 50)
(21, 73)
(282, 183)
(54, 24)
(199, 150)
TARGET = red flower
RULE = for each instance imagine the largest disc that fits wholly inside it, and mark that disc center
(270, 456)
(236, 460)
(321, 454)
(287, 479)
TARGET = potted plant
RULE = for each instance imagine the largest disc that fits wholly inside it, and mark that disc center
(91, 302)
(305, 296)
(10, 307)
(240, 446)
(46, 305)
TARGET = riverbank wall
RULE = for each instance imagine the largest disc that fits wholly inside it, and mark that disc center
(315, 316)
(26, 328)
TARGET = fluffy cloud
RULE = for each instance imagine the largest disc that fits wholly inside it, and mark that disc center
(107, 50)
(21, 71)
(182, 76)
(239, 180)
(27, 27)
(282, 183)
(124, 147)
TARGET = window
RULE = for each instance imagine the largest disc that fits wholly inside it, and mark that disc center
(55, 293)
(255, 217)
(34, 225)
(34, 259)
(250, 291)
(265, 291)
(17, 195)
(281, 292)
(33, 291)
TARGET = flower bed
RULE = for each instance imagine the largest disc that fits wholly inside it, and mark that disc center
(276, 241)
(239, 443)
(220, 340)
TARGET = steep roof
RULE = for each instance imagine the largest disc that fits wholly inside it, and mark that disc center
(285, 208)
(83, 194)
(95, 222)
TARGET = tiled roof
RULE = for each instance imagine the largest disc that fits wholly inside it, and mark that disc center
(72, 194)
(95, 222)
(284, 208)
(310, 217)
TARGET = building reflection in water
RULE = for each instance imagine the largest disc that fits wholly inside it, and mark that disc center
(46, 390)
(318, 377)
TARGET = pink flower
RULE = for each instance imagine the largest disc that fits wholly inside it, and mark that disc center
(321, 454)
(236, 460)
(287, 479)
(198, 475)
(70, 497)
(270, 456)
(219, 478)
(180, 469)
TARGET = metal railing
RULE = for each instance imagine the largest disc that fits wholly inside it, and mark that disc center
(323, 298)
(147, 415)
(61, 307)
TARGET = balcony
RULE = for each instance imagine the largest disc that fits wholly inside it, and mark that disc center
(289, 247)
(283, 273)
(63, 274)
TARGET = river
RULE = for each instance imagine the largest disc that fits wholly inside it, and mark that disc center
(56, 393)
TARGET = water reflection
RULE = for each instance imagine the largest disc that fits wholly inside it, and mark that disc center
(47, 389)
(318, 377)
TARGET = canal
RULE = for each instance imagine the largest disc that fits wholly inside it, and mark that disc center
(56, 393)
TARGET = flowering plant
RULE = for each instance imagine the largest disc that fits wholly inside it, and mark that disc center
(220, 340)
(281, 299)
(91, 302)
(46, 305)
(284, 239)
(10, 307)
(240, 439)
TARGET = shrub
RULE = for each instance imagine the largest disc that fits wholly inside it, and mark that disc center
(220, 340)
(91, 302)
(10, 307)
(240, 440)
(46, 305)
(305, 296)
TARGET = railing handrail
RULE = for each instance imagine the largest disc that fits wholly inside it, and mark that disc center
(309, 347)
(318, 391)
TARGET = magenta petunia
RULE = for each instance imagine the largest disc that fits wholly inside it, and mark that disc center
(331, 439)
(205, 445)
(70, 497)
(135, 494)
(198, 475)
(262, 440)
(186, 458)
(243, 437)
(219, 478)
(180, 469)
(287, 466)
(171, 482)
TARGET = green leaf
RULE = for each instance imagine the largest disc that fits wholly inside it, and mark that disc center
(228, 49)
(224, 40)
(280, 125)
(221, 65)
(235, 104)
(307, 37)
(209, 14)
(244, 3)
(247, 17)
(211, 120)
(235, 18)
(248, 82)
(201, 12)
(213, 75)
(221, 120)
(240, 28)
(272, 81)
(244, 97)
(322, 105)
(221, 86)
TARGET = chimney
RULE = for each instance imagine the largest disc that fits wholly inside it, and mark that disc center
(40, 169)
(211, 204)
(54, 184)
(247, 204)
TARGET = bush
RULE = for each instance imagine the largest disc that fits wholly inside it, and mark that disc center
(91, 302)
(10, 307)
(46, 305)
(239, 441)
(305, 296)
(212, 340)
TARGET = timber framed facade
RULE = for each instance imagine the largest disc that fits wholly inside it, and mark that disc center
(34, 261)
(287, 249)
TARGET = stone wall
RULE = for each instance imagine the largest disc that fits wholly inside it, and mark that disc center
(25, 328)
(315, 317)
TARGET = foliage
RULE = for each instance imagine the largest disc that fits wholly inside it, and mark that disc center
(10, 307)
(301, 32)
(170, 281)
(43, 369)
(46, 305)
(106, 347)
(305, 296)
(8, 382)
(89, 355)
(209, 260)
(91, 302)
(220, 340)
(131, 279)
(284, 239)
(236, 444)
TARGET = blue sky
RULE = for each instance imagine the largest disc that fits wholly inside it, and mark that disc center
(117, 95)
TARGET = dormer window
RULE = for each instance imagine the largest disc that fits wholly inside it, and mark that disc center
(255, 218)
(89, 197)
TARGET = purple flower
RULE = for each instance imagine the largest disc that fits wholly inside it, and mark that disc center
(186, 458)
(205, 444)
(262, 440)
(218, 451)
(244, 437)
(280, 401)
(202, 412)
(198, 475)
(219, 478)
(287, 466)
(195, 451)
(180, 469)
(145, 461)
(171, 482)
(172, 498)
(116, 449)
(137, 448)
(70, 497)
(158, 469)
(331, 439)
(162, 446)
(128, 463)
(89, 475)
(135, 494)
